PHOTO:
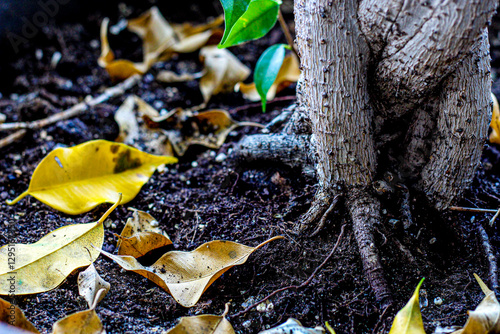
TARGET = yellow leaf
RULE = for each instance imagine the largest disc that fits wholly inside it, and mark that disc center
(288, 73)
(186, 275)
(42, 266)
(83, 322)
(14, 316)
(495, 122)
(90, 283)
(293, 326)
(203, 324)
(77, 179)
(409, 319)
(485, 319)
(141, 235)
(222, 71)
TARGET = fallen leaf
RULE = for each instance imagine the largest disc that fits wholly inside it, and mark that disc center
(44, 265)
(171, 77)
(329, 328)
(127, 122)
(409, 319)
(209, 128)
(186, 275)
(248, 20)
(90, 283)
(288, 73)
(83, 322)
(486, 317)
(141, 235)
(495, 122)
(293, 326)
(77, 179)
(14, 316)
(160, 41)
(206, 324)
(222, 71)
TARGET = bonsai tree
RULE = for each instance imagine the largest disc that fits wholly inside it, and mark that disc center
(394, 96)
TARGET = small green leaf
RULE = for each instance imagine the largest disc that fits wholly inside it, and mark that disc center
(247, 21)
(409, 319)
(267, 69)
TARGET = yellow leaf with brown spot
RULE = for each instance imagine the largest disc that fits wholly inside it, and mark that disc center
(288, 73)
(409, 319)
(495, 121)
(44, 265)
(186, 275)
(14, 316)
(83, 322)
(77, 179)
(203, 324)
(485, 319)
(141, 235)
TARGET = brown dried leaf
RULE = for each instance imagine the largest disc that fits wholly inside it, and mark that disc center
(486, 317)
(160, 41)
(206, 324)
(222, 71)
(141, 235)
(186, 275)
(90, 283)
(293, 326)
(288, 73)
(14, 316)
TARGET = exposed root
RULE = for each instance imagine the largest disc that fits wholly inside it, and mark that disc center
(320, 207)
(492, 260)
(365, 213)
(322, 222)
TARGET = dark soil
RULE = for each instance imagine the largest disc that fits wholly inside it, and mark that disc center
(200, 199)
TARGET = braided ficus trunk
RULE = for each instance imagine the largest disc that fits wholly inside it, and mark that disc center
(389, 86)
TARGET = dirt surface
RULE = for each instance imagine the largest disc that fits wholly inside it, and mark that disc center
(200, 199)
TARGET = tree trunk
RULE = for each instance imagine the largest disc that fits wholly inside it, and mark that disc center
(391, 87)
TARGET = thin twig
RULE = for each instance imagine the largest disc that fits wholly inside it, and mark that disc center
(305, 283)
(286, 31)
(77, 108)
(492, 220)
(463, 209)
(12, 138)
(492, 260)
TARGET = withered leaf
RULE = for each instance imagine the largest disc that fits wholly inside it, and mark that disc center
(14, 316)
(186, 275)
(90, 283)
(293, 326)
(206, 324)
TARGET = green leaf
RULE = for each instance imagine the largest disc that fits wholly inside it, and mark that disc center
(248, 20)
(409, 319)
(267, 69)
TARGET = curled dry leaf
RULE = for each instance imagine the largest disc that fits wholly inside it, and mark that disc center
(288, 73)
(159, 41)
(90, 283)
(141, 235)
(222, 71)
(186, 275)
(171, 77)
(14, 316)
(209, 128)
(42, 266)
(77, 179)
(206, 324)
(495, 122)
(83, 322)
(293, 326)
(409, 319)
(486, 317)
(127, 122)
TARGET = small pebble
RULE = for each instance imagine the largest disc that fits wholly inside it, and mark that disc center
(247, 324)
(221, 157)
(432, 241)
(39, 54)
(194, 164)
(56, 57)
(4, 195)
(212, 154)
(438, 301)
(94, 44)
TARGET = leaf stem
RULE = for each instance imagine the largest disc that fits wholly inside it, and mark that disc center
(286, 31)
(107, 213)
